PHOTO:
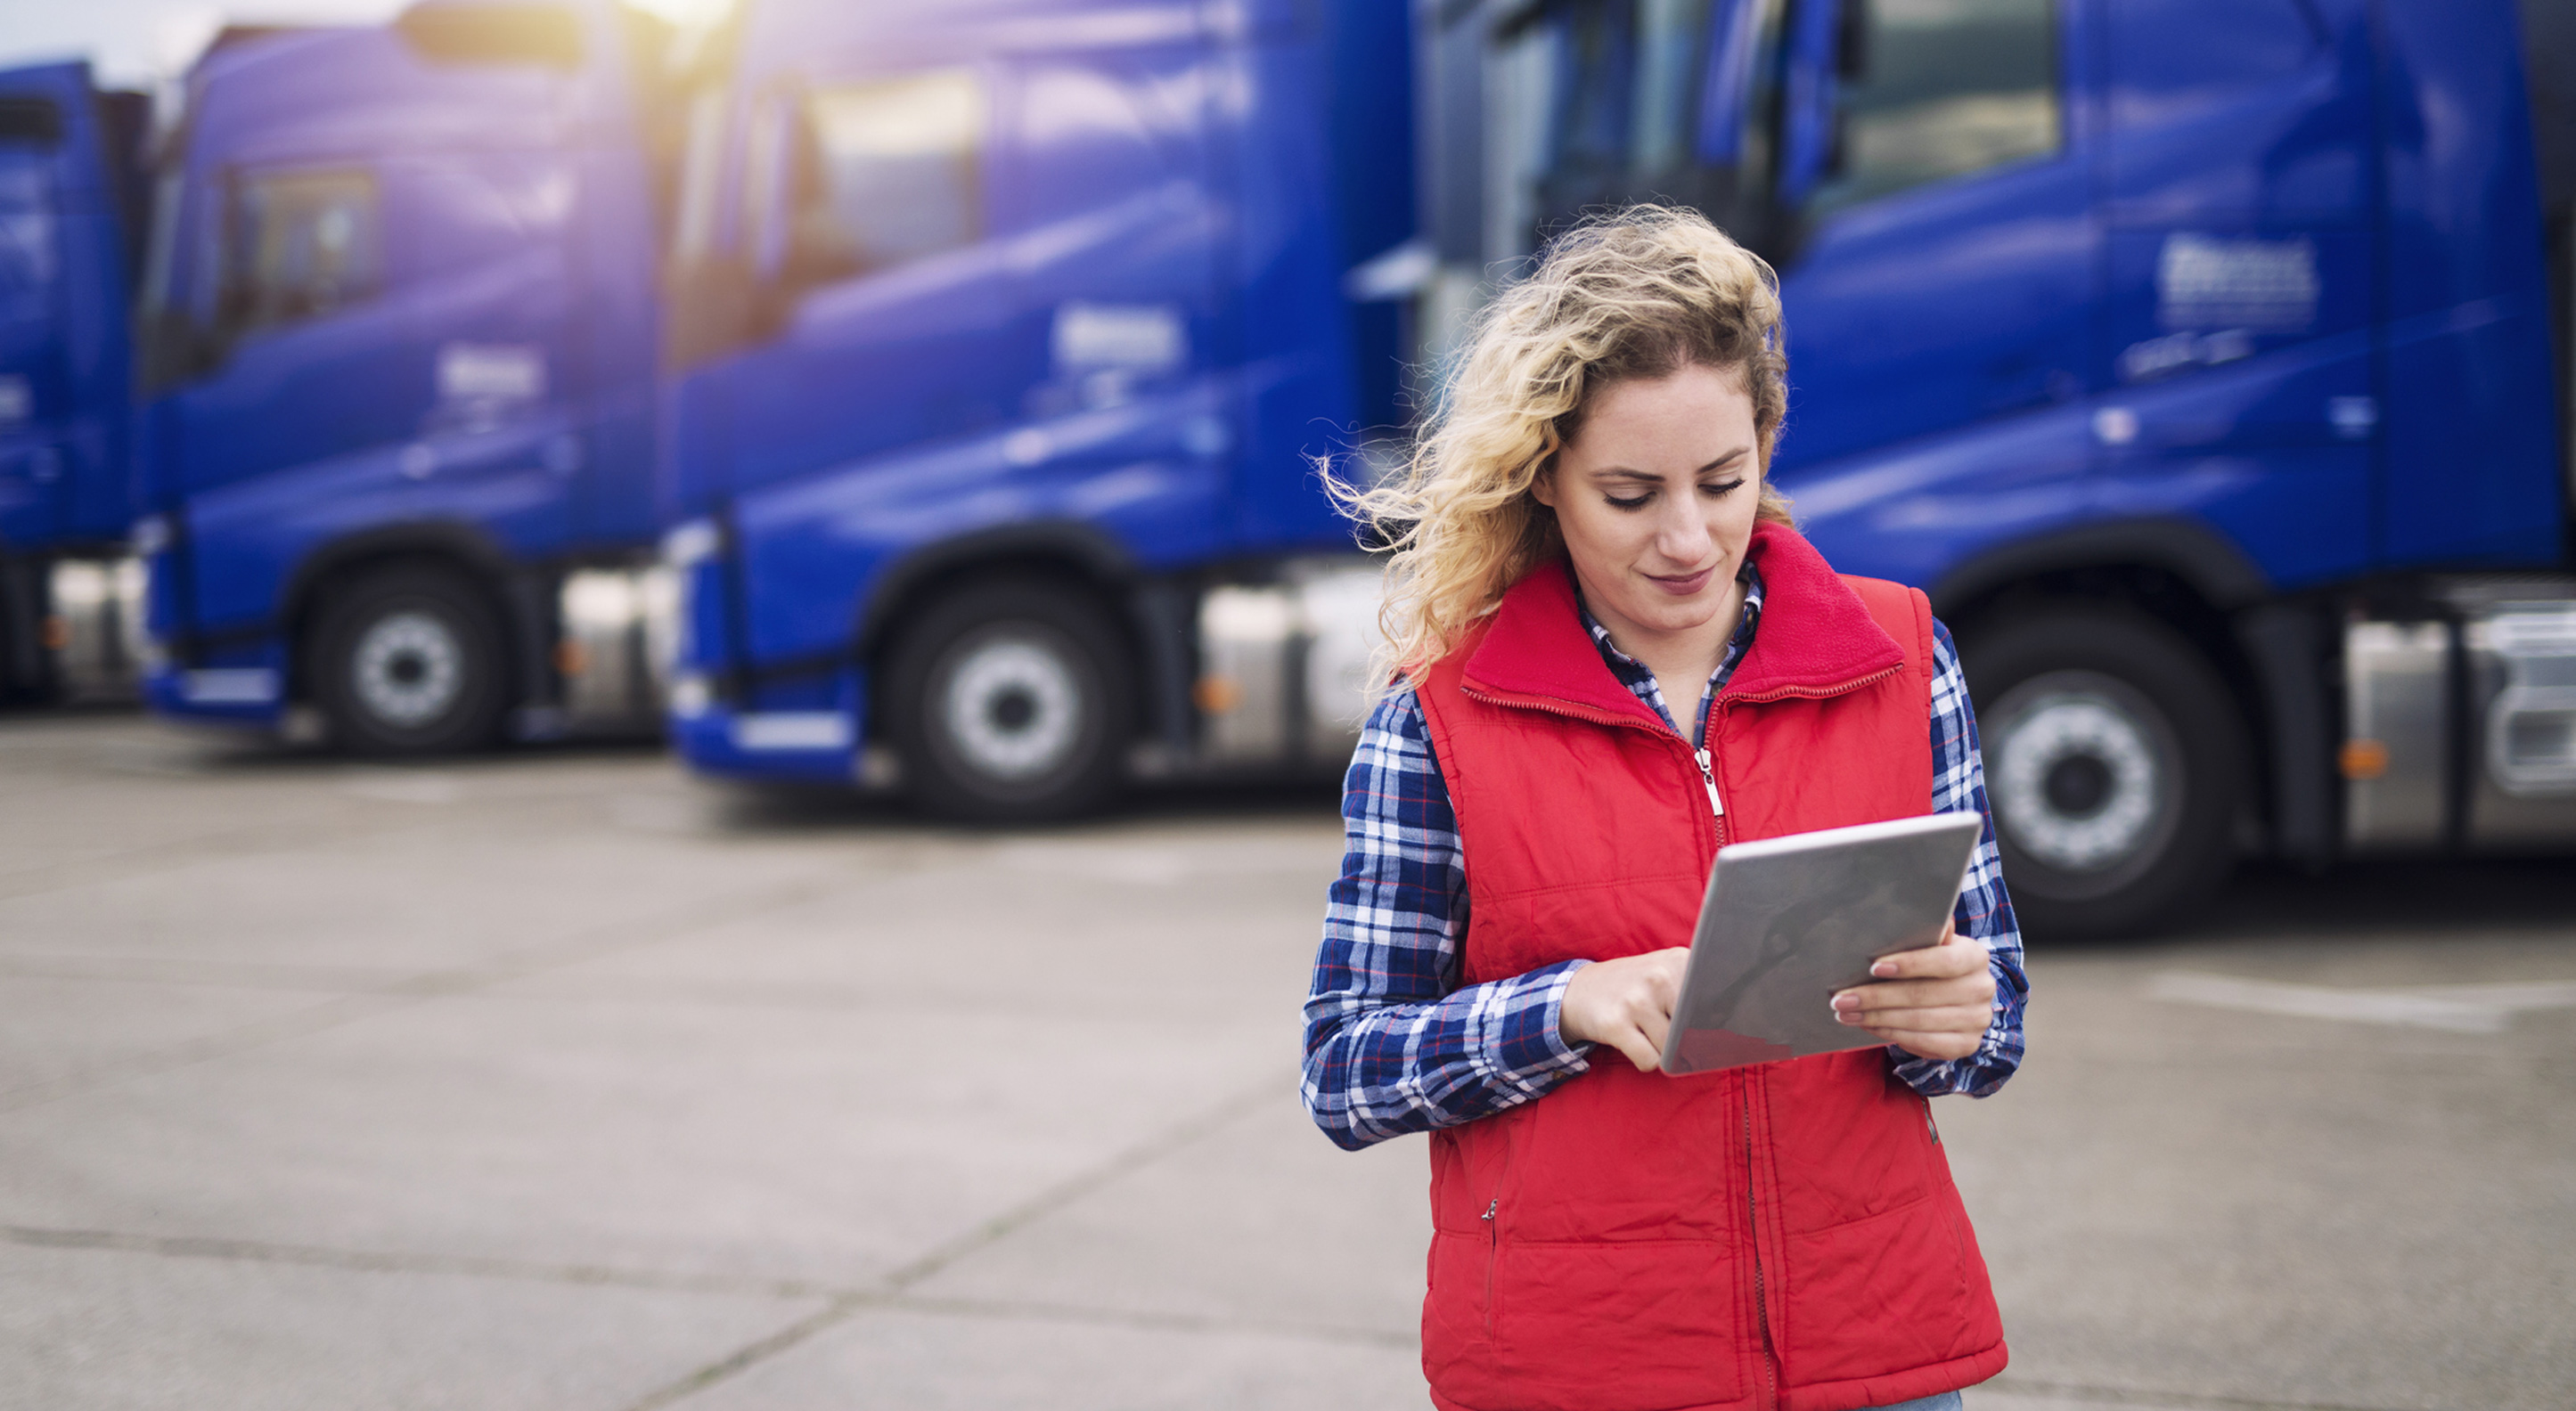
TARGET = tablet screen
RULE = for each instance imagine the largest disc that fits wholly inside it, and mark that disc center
(1787, 922)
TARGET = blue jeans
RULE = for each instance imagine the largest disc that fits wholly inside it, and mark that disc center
(1946, 1401)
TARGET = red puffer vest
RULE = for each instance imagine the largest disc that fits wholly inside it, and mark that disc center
(1784, 1235)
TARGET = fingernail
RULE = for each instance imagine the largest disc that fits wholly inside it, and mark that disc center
(1846, 1001)
(1845, 1017)
(1883, 968)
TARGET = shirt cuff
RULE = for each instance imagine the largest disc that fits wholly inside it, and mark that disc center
(1974, 1075)
(1530, 1043)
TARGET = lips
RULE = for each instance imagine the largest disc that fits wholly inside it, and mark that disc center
(1683, 585)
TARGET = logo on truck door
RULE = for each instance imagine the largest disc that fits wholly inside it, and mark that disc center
(2261, 286)
(484, 384)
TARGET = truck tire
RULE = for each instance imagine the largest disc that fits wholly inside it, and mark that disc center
(1011, 701)
(2114, 758)
(409, 661)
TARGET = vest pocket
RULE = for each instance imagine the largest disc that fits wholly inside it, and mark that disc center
(1458, 1314)
(1908, 1268)
(1621, 1325)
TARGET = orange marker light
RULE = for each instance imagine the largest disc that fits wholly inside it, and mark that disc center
(1217, 694)
(2363, 759)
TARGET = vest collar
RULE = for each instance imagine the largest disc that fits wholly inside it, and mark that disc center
(1816, 639)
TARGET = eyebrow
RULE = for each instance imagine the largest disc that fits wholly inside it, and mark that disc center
(1621, 472)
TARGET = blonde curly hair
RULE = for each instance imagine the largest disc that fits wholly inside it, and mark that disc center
(1639, 292)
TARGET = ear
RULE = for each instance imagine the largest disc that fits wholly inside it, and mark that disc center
(1543, 486)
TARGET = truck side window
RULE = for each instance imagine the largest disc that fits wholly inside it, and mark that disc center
(1597, 104)
(888, 172)
(1931, 89)
(297, 245)
(28, 267)
(29, 130)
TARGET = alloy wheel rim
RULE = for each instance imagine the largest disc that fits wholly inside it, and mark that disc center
(1012, 708)
(2083, 780)
(408, 669)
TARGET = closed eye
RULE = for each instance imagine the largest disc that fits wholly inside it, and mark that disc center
(1721, 490)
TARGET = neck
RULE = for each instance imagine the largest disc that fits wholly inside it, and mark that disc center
(1681, 659)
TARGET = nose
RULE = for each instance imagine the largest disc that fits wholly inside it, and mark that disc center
(1681, 534)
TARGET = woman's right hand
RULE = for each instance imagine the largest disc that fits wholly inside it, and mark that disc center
(1626, 1003)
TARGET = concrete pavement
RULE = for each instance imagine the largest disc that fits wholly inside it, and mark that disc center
(559, 1080)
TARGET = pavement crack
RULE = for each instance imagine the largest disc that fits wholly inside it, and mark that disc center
(1203, 1123)
(847, 1298)
(191, 970)
(1206, 1121)
(383, 1262)
(743, 1357)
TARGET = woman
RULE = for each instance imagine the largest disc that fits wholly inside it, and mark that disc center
(1585, 540)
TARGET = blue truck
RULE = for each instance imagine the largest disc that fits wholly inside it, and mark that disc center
(2205, 360)
(1002, 340)
(71, 232)
(1017, 319)
(394, 396)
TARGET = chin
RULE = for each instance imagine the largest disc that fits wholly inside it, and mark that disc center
(1678, 614)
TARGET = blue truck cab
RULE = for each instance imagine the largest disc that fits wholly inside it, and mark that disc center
(2195, 355)
(71, 229)
(1001, 337)
(395, 400)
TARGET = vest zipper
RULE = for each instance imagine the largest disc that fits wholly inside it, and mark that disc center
(1707, 767)
(1719, 707)
(1816, 693)
(1770, 1398)
(1493, 1254)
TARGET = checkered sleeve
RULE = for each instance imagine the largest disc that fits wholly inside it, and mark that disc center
(1394, 1043)
(1985, 910)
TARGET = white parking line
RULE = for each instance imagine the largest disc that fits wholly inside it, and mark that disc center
(402, 785)
(2461, 1009)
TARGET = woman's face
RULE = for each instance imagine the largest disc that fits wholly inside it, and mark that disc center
(1655, 496)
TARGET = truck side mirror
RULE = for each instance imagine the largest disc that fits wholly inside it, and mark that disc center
(459, 32)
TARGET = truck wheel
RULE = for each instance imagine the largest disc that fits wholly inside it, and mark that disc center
(1010, 701)
(2113, 760)
(409, 661)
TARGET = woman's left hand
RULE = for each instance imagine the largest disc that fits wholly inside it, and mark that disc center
(1934, 1003)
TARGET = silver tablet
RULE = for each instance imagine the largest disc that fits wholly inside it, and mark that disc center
(1789, 921)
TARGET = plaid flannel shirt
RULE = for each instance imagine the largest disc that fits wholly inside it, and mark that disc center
(1395, 1044)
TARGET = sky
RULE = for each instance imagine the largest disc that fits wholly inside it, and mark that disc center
(139, 43)
(143, 43)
